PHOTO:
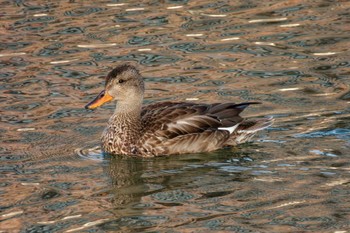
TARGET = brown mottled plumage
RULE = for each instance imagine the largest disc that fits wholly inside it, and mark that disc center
(168, 128)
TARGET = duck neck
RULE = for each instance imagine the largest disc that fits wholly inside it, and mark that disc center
(128, 115)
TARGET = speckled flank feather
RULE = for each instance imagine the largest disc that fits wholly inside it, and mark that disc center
(172, 128)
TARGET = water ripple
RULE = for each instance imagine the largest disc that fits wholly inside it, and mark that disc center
(83, 11)
(292, 56)
(146, 59)
(35, 20)
(202, 24)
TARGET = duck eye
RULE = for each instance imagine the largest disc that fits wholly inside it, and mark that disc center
(121, 81)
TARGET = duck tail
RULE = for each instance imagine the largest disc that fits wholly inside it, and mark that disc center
(247, 129)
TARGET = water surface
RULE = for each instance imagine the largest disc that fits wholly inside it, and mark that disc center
(291, 55)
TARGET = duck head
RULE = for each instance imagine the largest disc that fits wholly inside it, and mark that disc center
(123, 84)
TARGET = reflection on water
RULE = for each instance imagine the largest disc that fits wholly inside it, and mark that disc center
(290, 55)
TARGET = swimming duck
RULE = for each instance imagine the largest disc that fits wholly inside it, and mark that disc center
(167, 128)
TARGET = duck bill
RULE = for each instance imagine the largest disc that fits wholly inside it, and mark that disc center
(101, 99)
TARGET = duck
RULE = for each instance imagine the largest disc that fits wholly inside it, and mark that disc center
(168, 128)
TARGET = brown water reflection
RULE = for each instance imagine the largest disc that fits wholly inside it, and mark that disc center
(291, 55)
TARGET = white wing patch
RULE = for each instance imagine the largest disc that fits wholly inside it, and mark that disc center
(229, 129)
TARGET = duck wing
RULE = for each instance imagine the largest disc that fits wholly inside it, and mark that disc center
(169, 120)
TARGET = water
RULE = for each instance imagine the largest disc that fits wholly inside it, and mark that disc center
(291, 55)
